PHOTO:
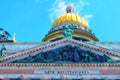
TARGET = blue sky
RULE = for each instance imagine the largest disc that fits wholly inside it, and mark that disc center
(32, 19)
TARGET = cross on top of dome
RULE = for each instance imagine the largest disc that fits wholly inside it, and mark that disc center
(70, 9)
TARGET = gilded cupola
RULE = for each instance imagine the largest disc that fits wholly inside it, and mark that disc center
(70, 25)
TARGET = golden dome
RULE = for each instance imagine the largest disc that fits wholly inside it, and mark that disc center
(72, 21)
(71, 18)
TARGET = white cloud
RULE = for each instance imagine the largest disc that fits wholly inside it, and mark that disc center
(79, 6)
(57, 9)
(88, 16)
(59, 6)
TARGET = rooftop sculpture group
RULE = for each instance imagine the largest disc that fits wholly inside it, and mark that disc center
(4, 35)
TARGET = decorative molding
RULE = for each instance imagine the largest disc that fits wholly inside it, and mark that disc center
(59, 65)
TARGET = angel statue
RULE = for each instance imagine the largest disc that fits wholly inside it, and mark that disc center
(2, 50)
(68, 33)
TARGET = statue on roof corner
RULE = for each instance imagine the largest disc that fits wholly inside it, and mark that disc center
(68, 33)
(4, 35)
(14, 37)
(2, 50)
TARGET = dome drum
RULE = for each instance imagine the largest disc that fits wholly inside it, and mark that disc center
(78, 34)
(71, 26)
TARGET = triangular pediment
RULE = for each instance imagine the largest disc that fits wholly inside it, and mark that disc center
(65, 50)
(67, 53)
